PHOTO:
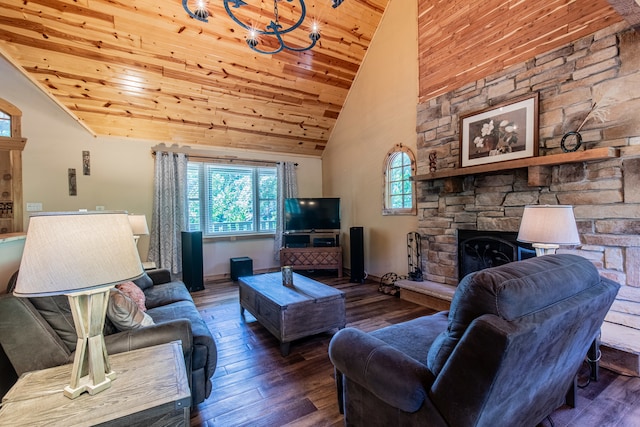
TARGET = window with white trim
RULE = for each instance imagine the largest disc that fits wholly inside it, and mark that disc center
(399, 193)
(227, 199)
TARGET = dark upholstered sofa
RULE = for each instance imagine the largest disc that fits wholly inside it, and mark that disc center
(38, 333)
(505, 354)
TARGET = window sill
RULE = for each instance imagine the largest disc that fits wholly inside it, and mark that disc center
(238, 237)
(399, 212)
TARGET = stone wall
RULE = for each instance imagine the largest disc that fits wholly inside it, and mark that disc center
(601, 68)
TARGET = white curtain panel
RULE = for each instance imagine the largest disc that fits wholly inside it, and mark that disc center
(169, 211)
(287, 187)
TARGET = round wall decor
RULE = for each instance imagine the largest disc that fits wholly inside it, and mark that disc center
(571, 141)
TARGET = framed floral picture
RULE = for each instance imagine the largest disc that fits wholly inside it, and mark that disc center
(506, 131)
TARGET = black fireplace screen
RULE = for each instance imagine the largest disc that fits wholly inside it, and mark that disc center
(478, 250)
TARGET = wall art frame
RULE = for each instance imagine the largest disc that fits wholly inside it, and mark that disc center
(506, 131)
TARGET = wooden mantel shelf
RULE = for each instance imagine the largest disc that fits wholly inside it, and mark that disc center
(538, 173)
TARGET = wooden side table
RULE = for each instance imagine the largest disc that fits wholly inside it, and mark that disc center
(151, 388)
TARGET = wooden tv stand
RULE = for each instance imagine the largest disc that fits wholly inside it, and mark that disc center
(314, 258)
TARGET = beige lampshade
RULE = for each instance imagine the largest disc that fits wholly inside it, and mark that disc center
(139, 225)
(76, 251)
(549, 224)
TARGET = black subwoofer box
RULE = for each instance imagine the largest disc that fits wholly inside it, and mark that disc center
(241, 266)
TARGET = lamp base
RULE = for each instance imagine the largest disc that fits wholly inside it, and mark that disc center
(89, 387)
(545, 248)
(91, 371)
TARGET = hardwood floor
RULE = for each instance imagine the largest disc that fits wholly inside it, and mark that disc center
(255, 386)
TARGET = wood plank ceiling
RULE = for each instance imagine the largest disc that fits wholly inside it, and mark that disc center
(145, 69)
(461, 41)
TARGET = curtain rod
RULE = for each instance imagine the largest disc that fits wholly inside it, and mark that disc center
(193, 154)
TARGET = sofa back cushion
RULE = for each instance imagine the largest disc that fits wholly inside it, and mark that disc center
(511, 291)
(57, 312)
(144, 281)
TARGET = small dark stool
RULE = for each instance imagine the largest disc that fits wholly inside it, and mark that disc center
(241, 266)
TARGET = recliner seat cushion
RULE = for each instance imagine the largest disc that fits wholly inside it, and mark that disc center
(201, 334)
(510, 292)
(414, 337)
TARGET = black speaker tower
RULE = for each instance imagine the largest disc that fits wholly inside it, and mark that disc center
(356, 236)
(192, 269)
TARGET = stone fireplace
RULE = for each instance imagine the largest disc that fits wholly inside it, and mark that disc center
(605, 193)
(478, 250)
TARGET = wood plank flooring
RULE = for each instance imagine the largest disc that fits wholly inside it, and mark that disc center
(255, 386)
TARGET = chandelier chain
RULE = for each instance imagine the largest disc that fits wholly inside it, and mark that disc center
(275, 10)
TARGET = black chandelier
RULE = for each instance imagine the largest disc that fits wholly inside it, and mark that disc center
(274, 28)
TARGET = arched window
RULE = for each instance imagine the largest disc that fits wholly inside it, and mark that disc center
(399, 195)
(5, 124)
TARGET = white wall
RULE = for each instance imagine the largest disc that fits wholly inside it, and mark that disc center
(11, 248)
(380, 112)
(121, 170)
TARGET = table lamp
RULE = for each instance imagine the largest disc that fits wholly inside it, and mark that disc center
(547, 227)
(138, 226)
(81, 255)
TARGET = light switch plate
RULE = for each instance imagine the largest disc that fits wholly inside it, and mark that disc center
(34, 207)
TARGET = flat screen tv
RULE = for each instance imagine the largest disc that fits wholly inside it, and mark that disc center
(312, 214)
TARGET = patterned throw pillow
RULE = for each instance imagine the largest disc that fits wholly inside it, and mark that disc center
(124, 313)
(132, 290)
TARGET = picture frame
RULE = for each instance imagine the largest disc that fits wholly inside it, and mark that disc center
(502, 132)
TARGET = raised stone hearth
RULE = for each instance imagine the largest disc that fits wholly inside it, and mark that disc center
(620, 336)
(434, 295)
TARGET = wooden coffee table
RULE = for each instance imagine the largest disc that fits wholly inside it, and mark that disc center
(306, 309)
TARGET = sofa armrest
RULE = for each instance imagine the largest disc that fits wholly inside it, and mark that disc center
(389, 374)
(152, 335)
(159, 275)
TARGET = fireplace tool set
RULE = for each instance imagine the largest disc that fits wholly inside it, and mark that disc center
(414, 260)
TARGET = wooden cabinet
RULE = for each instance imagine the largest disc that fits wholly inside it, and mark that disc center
(318, 258)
